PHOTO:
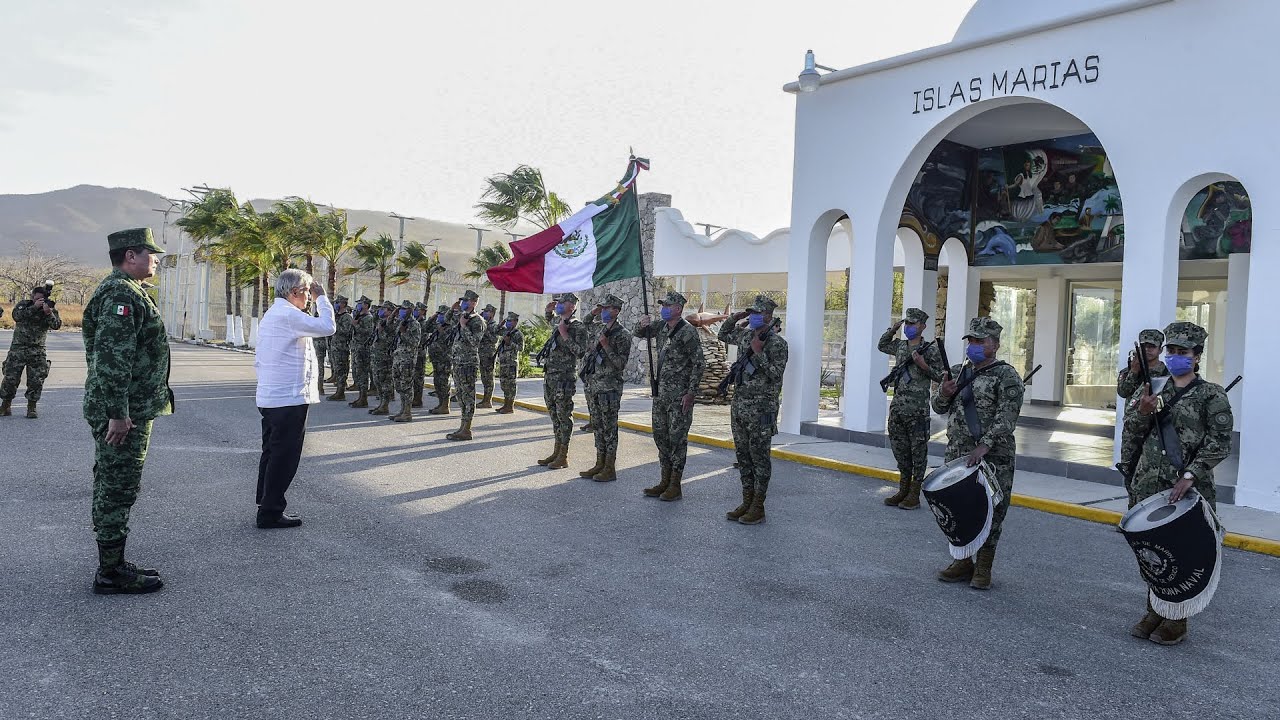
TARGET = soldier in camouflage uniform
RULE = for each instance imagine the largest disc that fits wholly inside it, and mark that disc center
(33, 319)
(1202, 422)
(510, 345)
(321, 346)
(1127, 383)
(127, 386)
(680, 364)
(441, 349)
(465, 356)
(384, 340)
(565, 347)
(404, 358)
(340, 347)
(994, 390)
(425, 325)
(917, 366)
(362, 328)
(753, 413)
(488, 354)
(602, 376)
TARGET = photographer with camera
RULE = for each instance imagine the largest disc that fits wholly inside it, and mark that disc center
(33, 319)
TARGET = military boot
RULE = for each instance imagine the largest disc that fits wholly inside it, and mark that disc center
(609, 472)
(754, 514)
(957, 571)
(661, 487)
(904, 485)
(362, 401)
(487, 400)
(748, 494)
(405, 414)
(462, 433)
(1170, 632)
(442, 408)
(31, 410)
(4, 406)
(982, 569)
(328, 379)
(383, 408)
(560, 461)
(912, 500)
(1148, 624)
(508, 405)
(117, 577)
(340, 394)
(673, 488)
(417, 398)
(591, 471)
(554, 454)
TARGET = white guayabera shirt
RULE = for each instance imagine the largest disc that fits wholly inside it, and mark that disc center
(286, 360)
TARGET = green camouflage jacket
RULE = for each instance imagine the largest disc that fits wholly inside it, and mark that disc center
(510, 345)
(127, 352)
(1127, 382)
(761, 382)
(466, 342)
(1203, 421)
(610, 363)
(384, 337)
(362, 327)
(562, 361)
(680, 360)
(408, 340)
(31, 325)
(997, 395)
(442, 344)
(341, 339)
(911, 391)
(489, 340)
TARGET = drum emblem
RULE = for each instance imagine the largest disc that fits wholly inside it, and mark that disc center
(946, 521)
(1156, 563)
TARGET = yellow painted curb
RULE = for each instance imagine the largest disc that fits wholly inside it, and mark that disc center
(1248, 543)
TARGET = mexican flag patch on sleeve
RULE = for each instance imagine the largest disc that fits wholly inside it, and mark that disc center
(122, 310)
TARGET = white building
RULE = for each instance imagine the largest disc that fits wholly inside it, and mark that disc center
(1074, 154)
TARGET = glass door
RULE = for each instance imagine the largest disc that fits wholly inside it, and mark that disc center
(1093, 346)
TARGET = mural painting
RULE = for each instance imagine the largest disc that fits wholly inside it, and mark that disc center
(937, 204)
(1218, 222)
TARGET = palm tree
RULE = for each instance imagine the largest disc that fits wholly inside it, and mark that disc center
(336, 240)
(416, 258)
(521, 195)
(375, 255)
(485, 258)
(294, 224)
(211, 223)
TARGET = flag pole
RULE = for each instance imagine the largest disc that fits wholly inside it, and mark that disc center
(644, 286)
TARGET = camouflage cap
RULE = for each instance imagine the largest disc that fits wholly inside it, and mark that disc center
(366, 300)
(442, 309)
(673, 298)
(340, 299)
(611, 301)
(513, 316)
(567, 298)
(1185, 334)
(133, 237)
(388, 305)
(763, 305)
(1151, 336)
(470, 295)
(421, 306)
(915, 315)
(407, 305)
(984, 327)
(490, 308)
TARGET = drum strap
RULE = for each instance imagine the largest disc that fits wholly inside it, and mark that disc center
(967, 401)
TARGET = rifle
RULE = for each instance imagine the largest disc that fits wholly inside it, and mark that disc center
(541, 358)
(942, 351)
(1234, 383)
(1034, 370)
(739, 367)
(1164, 430)
(891, 380)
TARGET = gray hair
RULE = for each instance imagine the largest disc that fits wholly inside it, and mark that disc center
(290, 280)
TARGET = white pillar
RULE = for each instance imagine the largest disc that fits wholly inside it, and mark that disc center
(1234, 342)
(962, 304)
(806, 288)
(1257, 484)
(870, 301)
(1050, 339)
(919, 286)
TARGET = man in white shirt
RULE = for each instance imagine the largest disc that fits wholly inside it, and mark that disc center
(287, 386)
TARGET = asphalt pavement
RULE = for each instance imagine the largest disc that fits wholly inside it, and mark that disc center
(435, 579)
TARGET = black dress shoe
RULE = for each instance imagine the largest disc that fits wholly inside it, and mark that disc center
(271, 521)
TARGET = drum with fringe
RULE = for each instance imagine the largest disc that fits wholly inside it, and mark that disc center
(1179, 551)
(963, 500)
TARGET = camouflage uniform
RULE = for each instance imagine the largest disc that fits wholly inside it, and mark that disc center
(997, 395)
(909, 409)
(321, 345)
(753, 413)
(404, 358)
(26, 350)
(420, 362)
(488, 354)
(468, 328)
(1202, 422)
(384, 340)
(1127, 384)
(340, 347)
(602, 376)
(560, 378)
(510, 345)
(362, 329)
(127, 353)
(440, 349)
(680, 364)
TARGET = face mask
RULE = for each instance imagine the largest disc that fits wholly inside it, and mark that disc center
(755, 321)
(359, 307)
(466, 305)
(439, 319)
(510, 324)
(665, 312)
(976, 353)
(404, 314)
(606, 316)
(559, 308)
(1179, 365)
(911, 331)
(487, 316)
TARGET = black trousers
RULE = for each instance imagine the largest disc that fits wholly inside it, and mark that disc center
(283, 430)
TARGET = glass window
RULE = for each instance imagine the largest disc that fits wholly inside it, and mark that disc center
(1204, 302)
(1093, 348)
(1015, 309)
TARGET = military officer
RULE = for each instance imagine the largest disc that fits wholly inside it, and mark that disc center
(441, 349)
(384, 339)
(510, 346)
(33, 319)
(340, 347)
(565, 347)
(465, 356)
(984, 399)
(127, 352)
(1127, 382)
(362, 329)
(404, 358)
(420, 362)
(1201, 419)
(602, 372)
(680, 364)
(917, 366)
(488, 353)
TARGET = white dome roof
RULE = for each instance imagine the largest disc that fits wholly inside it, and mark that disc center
(990, 17)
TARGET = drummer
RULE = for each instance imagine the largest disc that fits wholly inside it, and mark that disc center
(991, 391)
(1200, 414)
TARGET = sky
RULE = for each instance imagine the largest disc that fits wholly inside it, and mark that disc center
(408, 106)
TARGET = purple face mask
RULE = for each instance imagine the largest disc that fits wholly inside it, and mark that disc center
(911, 331)
(666, 312)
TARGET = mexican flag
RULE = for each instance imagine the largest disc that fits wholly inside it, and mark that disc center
(600, 243)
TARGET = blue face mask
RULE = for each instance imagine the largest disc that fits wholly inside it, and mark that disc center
(665, 312)
(439, 319)
(606, 316)
(1179, 365)
(510, 324)
(976, 353)
(559, 308)
(403, 313)
(359, 307)
(755, 321)
(465, 305)
(487, 316)
(911, 331)
(382, 312)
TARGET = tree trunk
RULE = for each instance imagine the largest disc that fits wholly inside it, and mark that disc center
(310, 259)
(333, 280)
(426, 291)
(239, 293)
(382, 286)
(226, 275)
(257, 299)
(502, 305)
